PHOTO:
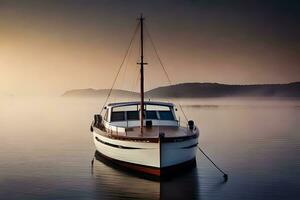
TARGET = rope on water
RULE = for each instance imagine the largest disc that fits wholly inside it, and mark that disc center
(225, 176)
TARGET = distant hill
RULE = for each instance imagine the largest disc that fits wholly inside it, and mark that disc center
(196, 90)
(192, 90)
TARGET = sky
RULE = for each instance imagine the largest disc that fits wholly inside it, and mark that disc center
(48, 47)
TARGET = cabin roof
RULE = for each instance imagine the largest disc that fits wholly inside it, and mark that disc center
(138, 103)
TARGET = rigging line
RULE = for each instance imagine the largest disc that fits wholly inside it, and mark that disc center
(120, 67)
(163, 67)
(127, 60)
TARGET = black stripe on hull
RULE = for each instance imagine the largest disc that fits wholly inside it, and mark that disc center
(114, 145)
(191, 146)
(124, 147)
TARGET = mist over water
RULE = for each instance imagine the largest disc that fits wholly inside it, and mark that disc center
(46, 152)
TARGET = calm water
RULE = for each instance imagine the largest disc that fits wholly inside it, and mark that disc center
(46, 152)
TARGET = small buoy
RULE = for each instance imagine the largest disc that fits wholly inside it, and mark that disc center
(225, 176)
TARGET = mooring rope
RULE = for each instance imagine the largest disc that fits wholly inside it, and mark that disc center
(170, 83)
(120, 67)
(224, 174)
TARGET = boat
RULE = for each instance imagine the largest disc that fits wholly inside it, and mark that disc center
(145, 136)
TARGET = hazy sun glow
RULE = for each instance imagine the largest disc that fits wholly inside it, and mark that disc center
(48, 47)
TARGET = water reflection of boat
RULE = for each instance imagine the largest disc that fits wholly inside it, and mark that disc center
(114, 183)
(145, 136)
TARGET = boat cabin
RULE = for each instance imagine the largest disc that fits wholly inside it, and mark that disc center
(127, 114)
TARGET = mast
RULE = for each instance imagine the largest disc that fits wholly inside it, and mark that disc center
(142, 75)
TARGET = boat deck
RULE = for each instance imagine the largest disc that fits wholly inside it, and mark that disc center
(153, 132)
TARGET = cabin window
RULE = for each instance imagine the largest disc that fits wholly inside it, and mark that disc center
(151, 115)
(166, 115)
(152, 112)
(133, 115)
(117, 116)
(126, 108)
(157, 107)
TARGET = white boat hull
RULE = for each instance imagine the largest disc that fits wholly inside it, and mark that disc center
(156, 155)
